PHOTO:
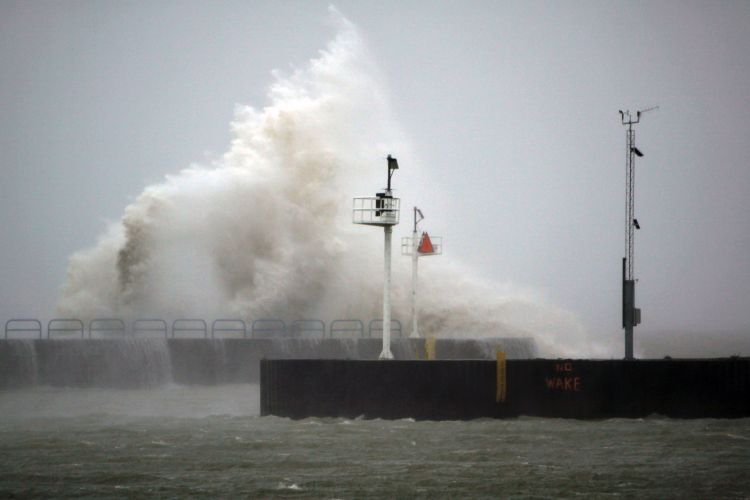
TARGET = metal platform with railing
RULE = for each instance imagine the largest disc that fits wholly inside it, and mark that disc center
(381, 210)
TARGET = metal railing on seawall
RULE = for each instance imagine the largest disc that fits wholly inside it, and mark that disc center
(180, 328)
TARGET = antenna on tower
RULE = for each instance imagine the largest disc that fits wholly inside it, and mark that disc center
(631, 315)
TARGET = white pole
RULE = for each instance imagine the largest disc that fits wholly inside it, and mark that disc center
(414, 261)
(386, 354)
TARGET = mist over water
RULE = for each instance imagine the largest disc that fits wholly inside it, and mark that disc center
(265, 230)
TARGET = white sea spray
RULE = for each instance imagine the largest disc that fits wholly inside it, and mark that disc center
(265, 230)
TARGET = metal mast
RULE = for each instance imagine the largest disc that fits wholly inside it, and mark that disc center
(416, 247)
(631, 315)
(414, 262)
(630, 194)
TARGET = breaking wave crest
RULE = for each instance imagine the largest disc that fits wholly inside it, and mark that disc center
(265, 230)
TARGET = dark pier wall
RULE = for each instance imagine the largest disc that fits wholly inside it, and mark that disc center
(469, 388)
(143, 362)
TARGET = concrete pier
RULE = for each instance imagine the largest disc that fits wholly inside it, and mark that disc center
(143, 362)
(466, 389)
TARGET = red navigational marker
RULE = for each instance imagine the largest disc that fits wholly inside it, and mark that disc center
(425, 246)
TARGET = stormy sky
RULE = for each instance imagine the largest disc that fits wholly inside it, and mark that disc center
(512, 108)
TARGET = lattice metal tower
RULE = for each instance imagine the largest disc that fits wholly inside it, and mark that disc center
(631, 315)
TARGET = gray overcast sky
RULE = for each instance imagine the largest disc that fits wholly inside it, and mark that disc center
(512, 106)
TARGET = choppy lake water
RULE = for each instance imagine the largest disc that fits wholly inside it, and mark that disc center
(178, 441)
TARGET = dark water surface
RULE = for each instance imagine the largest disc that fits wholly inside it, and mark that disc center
(209, 442)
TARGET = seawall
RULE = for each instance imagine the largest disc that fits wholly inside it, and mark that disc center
(143, 362)
(467, 389)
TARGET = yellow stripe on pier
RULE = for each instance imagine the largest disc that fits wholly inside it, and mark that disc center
(501, 378)
(429, 348)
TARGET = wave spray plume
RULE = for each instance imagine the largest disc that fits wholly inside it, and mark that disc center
(265, 231)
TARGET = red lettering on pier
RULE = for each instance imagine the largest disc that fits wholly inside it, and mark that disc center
(564, 367)
(568, 384)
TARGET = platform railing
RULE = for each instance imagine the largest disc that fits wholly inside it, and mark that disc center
(340, 328)
(65, 327)
(376, 211)
(236, 328)
(308, 327)
(23, 325)
(268, 328)
(229, 326)
(150, 326)
(376, 326)
(185, 326)
(111, 327)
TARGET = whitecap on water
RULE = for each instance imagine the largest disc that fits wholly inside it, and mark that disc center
(288, 486)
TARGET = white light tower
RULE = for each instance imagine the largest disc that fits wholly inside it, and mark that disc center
(382, 210)
(417, 247)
